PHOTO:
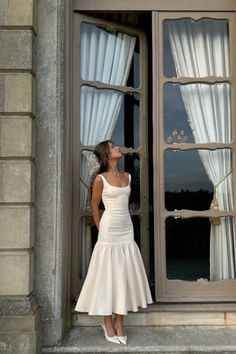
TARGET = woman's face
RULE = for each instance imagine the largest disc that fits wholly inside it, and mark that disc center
(115, 152)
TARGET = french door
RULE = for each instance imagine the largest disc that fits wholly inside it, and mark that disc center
(163, 90)
(194, 156)
(109, 102)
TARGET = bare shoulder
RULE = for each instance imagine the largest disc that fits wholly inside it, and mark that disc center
(125, 174)
(97, 180)
(97, 183)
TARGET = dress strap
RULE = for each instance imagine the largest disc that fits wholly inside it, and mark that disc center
(103, 178)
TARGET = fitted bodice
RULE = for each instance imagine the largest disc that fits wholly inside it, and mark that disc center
(115, 225)
(115, 199)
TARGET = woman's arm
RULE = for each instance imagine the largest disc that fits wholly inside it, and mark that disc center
(96, 199)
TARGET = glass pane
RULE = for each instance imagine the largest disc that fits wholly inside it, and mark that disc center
(131, 164)
(109, 114)
(187, 248)
(134, 74)
(127, 129)
(111, 57)
(99, 110)
(197, 113)
(200, 249)
(190, 178)
(196, 48)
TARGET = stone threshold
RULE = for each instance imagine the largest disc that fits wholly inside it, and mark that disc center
(151, 339)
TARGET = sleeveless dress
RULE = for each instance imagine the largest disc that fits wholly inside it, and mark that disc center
(116, 280)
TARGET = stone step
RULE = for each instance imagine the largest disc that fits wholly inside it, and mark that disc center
(151, 339)
(171, 315)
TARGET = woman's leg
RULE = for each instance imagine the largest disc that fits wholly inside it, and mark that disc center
(109, 326)
(118, 324)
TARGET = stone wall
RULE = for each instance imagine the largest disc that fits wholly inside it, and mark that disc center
(19, 312)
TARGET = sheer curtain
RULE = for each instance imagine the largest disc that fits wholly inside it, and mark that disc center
(201, 49)
(105, 57)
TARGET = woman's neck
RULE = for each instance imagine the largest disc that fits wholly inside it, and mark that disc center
(113, 167)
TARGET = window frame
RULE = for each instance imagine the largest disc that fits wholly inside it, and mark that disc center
(178, 290)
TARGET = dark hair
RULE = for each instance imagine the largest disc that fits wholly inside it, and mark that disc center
(102, 152)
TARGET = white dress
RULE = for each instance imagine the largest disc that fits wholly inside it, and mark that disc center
(116, 280)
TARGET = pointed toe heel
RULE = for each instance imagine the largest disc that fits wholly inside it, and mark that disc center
(123, 339)
(113, 339)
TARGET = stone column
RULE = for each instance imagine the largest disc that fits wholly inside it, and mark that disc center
(51, 276)
(19, 313)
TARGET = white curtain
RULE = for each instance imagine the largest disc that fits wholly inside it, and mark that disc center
(201, 49)
(105, 57)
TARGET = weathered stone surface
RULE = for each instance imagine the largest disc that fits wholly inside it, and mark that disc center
(150, 340)
(16, 269)
(16, 227)
(20, 327)
(18, 55)
(17, 93)
(17, 12)
(16, 136)
(16, 181)
(19, 343)
(18, 305)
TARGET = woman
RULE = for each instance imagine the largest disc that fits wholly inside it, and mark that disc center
(116, 281)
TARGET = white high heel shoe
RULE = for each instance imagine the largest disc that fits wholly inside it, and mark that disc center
(122, 339)
(113, 339)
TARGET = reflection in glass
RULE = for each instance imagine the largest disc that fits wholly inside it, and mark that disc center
(209, 115)
(196, 48)
(176, 125)
(187, 248)
(195, 173)
(127, 129)
(108, 56)
(187, 185)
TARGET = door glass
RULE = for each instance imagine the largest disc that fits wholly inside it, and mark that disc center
(194, 248)
(127, 129)
(197, 113)
(192, 176)
(118, 115)
(109, 56)
(196, 48)
(187, 248)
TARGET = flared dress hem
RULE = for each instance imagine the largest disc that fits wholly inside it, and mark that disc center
(116, 281)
